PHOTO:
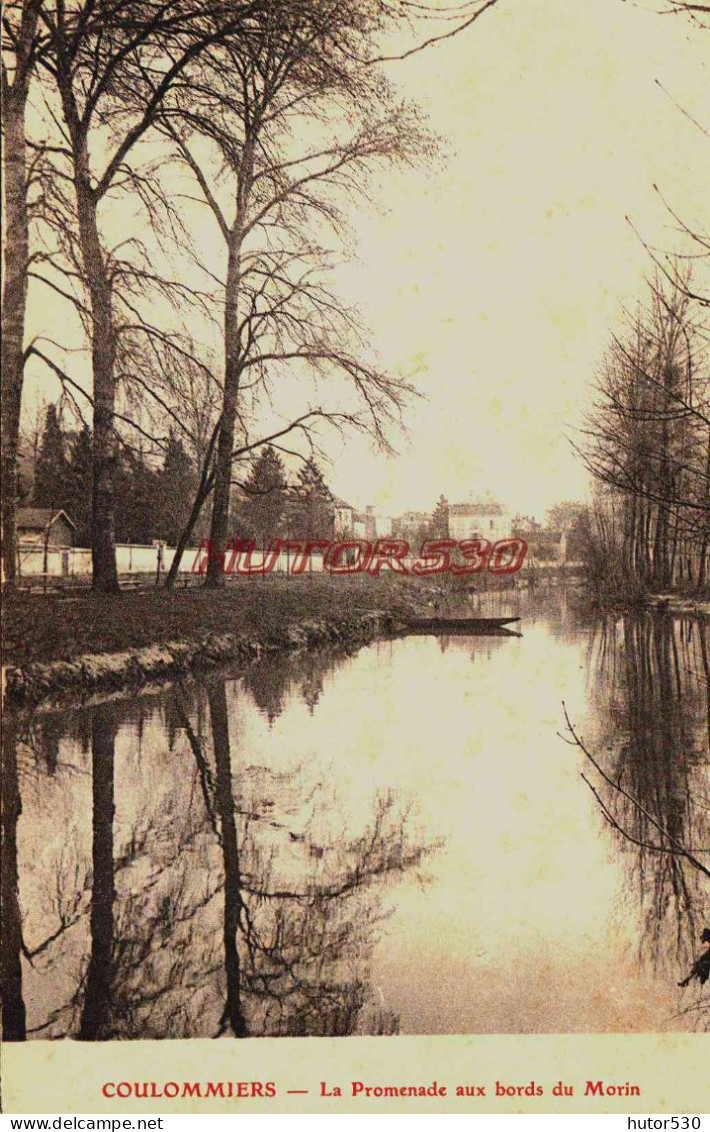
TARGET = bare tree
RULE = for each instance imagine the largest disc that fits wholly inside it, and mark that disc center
(647, 443)
(275, 199)
(697, 11)
(691, 236)
(113, 65)
(21, 43)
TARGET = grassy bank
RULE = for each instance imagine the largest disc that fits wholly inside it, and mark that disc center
(42, 629)
(610, 591)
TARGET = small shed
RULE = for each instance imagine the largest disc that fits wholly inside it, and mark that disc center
(42, 526)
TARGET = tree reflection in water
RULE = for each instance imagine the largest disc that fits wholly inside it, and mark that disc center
(273, 680)
(294, 940)
(98, 992)
(11, 942)
(209, 903)
(651, 776)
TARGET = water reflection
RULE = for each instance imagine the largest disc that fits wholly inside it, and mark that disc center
(11, 945)
(244, 856)
(98, 997)
(272, 683)
(194, 895)
(651, 690)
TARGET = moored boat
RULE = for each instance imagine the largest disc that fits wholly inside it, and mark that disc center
(464, 625)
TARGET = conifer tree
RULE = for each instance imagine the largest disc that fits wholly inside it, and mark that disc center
(79, 486)
(175, 487)
(311, 510)
(266, 489)
(440, 518)
(50, 485)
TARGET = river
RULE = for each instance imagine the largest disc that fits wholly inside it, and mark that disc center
(397, 840)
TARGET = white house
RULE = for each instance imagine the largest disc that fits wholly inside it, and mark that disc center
(344, 514)
(482, 518)
(350, 523)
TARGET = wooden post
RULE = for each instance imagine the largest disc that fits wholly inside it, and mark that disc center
(159, 567)
(45, 563)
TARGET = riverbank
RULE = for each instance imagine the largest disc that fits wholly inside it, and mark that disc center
(679, 603)
(627, 597)
(88, 643)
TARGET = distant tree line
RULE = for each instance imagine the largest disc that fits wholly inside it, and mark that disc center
(647, 440)
(153, 498)
(270, 506)
(647, 445)
(290, 102)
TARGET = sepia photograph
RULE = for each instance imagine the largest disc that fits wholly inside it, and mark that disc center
(355, 535)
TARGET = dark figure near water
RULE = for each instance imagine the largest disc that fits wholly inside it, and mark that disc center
(701, 968)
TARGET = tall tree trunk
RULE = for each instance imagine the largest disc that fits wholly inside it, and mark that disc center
(702, 565)
(219, 531)
(185, 536)
(103, 356)
(705, 538)
(16, 263)
(666, 487)
(224, 799)
(13, 1005)
(103, 343)
(233, 363)
(99, 982)
(203, 489)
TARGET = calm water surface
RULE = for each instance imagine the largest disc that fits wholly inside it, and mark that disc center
(397, 840)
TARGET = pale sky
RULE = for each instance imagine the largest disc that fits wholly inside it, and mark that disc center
(493, 280)
(497, 278)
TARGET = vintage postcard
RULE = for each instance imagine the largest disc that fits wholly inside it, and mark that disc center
(356, 557)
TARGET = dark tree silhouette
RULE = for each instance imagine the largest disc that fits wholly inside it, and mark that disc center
(311, 513)
(234, 911)
(79, 485)
(440, 518)
(98, 994)
(51, 470)
(21, 43)
(11, 942)
(174, 488)
(263, 511)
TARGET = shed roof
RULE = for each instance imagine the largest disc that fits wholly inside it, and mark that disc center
(39, 518)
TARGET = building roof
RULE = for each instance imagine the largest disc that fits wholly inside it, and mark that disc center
(484, 508)
(340, 503)
(39, 518)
